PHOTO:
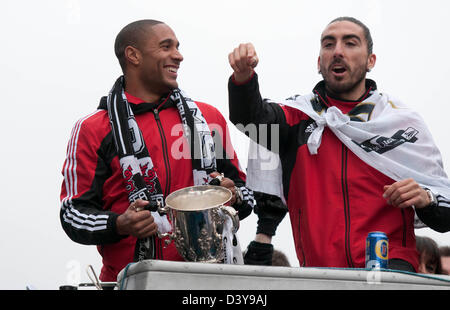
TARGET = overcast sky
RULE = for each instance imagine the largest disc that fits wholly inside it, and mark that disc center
(57, 60)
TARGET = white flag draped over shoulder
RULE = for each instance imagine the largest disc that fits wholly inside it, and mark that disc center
(391, 138)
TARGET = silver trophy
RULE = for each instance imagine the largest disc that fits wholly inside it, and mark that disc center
(198, 214)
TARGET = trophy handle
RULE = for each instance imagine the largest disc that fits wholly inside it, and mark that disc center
(170, 234)
(163, 210)
(231, 212)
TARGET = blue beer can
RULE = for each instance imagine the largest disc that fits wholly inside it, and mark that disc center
(377, 248)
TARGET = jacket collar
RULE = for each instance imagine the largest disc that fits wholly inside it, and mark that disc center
(138, 106)
(320, 91)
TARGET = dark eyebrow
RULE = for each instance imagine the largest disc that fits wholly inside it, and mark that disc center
(328, 37)
(352, 36)
(346, 37)
(169, 41)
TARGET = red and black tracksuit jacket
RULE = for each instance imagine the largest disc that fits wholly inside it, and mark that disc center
(334, 198)
(93, 193)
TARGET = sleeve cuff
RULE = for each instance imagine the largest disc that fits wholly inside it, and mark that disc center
(112, 224)
(233, 80)
(259, 254)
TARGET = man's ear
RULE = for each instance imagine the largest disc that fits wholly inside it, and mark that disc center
(318, 64)
(371, 62)
(132, 55)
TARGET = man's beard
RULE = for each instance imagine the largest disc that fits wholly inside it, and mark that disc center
(336, 88)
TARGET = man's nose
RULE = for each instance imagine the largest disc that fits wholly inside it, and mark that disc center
(338, 50)
(177, 56)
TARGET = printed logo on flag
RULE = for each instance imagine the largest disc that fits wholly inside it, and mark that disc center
(382, 144)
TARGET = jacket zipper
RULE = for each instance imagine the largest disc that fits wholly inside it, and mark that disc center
(344, 185)
(165, 152)
(303, 264)
(159, 248)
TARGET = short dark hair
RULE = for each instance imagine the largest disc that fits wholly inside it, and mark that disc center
(132, 34)
(279, 259)
(429, 247)
(444, 250)
(366, 30)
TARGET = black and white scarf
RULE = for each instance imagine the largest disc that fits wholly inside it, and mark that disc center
(386, 134)
(140, 178)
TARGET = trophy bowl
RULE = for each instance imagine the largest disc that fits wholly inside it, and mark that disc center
(198, 214)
